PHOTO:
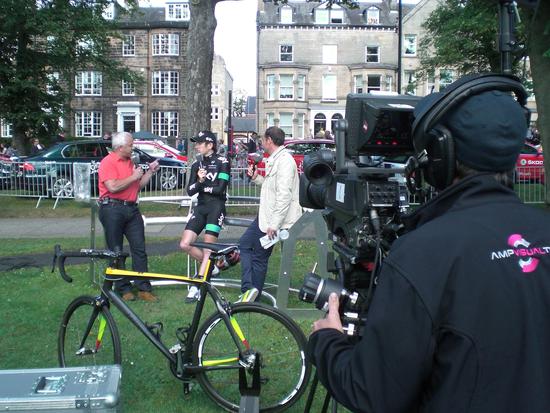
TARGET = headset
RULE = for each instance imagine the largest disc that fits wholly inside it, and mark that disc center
(433, 142)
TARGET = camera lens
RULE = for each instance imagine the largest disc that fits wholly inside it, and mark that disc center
(316, 290)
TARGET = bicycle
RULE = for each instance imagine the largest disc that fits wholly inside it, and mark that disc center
(253, 338)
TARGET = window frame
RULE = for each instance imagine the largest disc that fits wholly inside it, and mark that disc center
(129, 47)
(368, 54)
(215, 113)
(173, 9)
(414, 43)
(158, 81)
(286, 52)
(329, 54)
(287, 128)
(128, 88)
(92, 86)
(270, 87)
(165, 44)
(87, 124)
(356, 87)
(325, 95)
(290, 88)
(374, 88)
(161, 117)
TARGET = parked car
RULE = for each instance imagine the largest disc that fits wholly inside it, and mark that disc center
(299, 148)
(55, 166)
(530, 164)
(159, 149)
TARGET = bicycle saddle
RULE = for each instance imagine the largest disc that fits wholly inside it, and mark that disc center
(217, 249)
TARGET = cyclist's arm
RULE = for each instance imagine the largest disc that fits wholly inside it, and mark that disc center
(194, 186)
(219, 186)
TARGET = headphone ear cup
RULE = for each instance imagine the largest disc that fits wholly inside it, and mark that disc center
(440, 148)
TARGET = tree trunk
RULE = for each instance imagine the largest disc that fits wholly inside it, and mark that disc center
(200, 54)
(540, 70)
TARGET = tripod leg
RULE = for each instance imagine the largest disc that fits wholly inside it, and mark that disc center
(311, 394)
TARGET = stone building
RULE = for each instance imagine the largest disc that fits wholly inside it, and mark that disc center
(153, 43)
(222, 83)
(311, 56)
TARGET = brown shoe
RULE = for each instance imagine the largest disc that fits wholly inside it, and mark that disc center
(129, 296)
(147, 296)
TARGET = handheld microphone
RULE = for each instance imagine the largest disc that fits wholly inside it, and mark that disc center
(199, 159)
(135, 158)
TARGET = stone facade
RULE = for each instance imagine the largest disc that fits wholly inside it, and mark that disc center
(153, 43)
(222, 83)
(310, 58)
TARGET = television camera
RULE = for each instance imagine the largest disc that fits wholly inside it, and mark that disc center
(363, 196)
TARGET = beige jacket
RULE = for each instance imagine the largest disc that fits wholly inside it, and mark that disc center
(279, 197)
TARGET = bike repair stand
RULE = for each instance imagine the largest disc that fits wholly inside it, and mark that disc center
(250, 396)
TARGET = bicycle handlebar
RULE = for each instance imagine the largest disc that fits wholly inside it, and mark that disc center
(60, 257)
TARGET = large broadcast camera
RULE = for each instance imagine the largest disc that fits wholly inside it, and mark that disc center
(363, 196)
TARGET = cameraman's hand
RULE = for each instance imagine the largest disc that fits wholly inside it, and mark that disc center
(332, 319)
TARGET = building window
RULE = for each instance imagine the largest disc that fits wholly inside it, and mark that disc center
(167, 44)
(430, 83)
(446, 77)
(6, 129)
(300, 125)
(329, 87)
(165, 124)
(270, 119)
(129, 45)
(319, 123)
(270, 92)
(215, 113)
(358, 84)
(88, 124)
(334, 15)
(109, 12)
(177, 11)
(410, 82)
(301, 87)
(128, 88)
(285, 53)
(166, 83)
(410, 44)
(215, 89)
(389, 83)
(286, 15)
(334, 120)
(330, 54)
(373, 15)
(88, 83)
(372, 54)
(373, 83)
(285, 123)
(286, 87)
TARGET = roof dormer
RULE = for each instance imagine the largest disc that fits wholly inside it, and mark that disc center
(177, 10)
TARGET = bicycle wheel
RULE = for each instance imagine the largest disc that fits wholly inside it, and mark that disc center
(284, 370)
(88, 335)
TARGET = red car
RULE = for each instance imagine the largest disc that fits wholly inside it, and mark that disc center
(159, 149)
(530, 164)
(299, 148)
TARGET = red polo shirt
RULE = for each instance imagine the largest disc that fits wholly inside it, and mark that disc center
(114, 167)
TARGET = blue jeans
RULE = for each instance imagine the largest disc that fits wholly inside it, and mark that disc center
(254, 258)
(124, 220)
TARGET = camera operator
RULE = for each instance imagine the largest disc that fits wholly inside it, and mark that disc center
(459, 317)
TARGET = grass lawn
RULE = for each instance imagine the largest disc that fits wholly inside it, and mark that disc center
(37, 299)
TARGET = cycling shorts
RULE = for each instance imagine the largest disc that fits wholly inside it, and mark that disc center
(209, 217)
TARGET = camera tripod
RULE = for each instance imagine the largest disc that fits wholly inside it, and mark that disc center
(326, 402)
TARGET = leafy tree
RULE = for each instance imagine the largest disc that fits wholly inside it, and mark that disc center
(462, 34)
(239, 104)
(42, 44)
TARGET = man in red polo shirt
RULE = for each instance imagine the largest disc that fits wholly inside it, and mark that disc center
(119, 183)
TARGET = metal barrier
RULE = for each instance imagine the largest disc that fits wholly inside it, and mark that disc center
(56, 180)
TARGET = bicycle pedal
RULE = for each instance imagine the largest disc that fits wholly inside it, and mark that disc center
(175, 348)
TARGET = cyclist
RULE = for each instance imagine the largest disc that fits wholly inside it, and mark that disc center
(209, 179)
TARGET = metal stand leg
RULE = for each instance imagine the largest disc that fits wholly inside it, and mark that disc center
(250, 396)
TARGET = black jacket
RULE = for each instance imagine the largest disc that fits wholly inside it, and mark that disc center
(460, 319)
(214, 187)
